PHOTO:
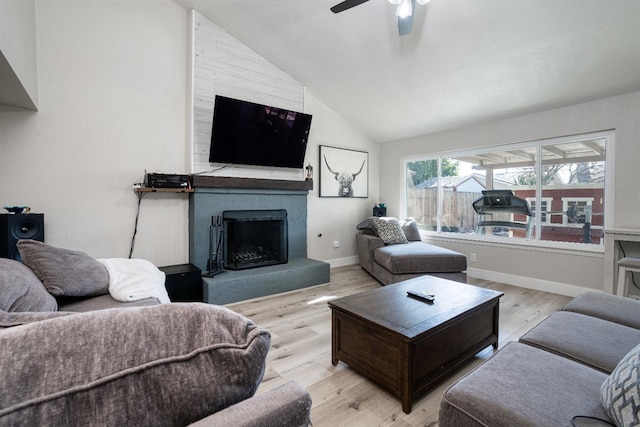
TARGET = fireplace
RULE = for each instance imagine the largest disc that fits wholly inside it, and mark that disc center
(296, 271)
(254, 238)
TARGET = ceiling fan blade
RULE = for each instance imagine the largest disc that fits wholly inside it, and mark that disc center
(346, 4)
(405, 25)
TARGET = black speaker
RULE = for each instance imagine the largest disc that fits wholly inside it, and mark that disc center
(14, 227)
(378, 211)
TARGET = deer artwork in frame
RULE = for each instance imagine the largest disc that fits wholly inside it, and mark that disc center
(343, 172)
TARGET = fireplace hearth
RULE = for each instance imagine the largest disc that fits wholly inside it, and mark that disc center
(254, 238)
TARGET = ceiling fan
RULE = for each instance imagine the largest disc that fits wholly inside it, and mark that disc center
(404, 12)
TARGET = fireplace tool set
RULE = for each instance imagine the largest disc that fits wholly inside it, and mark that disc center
(215, 264)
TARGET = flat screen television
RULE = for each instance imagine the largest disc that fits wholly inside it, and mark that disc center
(246, 133)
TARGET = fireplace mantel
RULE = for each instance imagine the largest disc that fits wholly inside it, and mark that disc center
(202, 181)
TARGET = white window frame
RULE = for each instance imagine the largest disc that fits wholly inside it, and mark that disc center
(609, 135)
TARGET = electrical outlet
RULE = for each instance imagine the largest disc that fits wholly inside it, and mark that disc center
(474, 257)
(336, 244)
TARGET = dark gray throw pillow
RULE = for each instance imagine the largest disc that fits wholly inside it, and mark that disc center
(64, 272)
(411, 230)
(20, 289)
(366, 227)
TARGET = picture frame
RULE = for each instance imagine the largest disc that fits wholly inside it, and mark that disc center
(343, 172)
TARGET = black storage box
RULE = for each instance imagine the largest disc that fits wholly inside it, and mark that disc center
(183, 283)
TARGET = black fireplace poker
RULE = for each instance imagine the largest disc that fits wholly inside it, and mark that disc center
(215, 263)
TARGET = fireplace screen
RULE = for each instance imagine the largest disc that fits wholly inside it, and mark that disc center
(254, 238)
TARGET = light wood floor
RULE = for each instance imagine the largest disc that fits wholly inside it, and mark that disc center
(300, 326)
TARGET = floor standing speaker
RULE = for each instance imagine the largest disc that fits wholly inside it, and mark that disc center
(14, 227)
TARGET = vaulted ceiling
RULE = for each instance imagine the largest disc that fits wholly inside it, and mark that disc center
(465, 62)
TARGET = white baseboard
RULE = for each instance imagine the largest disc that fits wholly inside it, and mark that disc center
(529, 282)
(341, 262)
(495, 276)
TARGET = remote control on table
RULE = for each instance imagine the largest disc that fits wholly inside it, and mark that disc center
(421, 296)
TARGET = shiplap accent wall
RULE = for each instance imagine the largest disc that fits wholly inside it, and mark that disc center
(224, 66)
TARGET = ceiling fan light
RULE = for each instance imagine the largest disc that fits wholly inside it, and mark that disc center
(423, 2)
(404, 9)
(395, 1)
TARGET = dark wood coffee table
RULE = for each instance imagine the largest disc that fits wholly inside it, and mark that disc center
(405, 345)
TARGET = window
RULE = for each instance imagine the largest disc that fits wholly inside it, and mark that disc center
(545, 203)
(555, 189)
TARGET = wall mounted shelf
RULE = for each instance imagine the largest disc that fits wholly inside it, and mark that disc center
(250, 183)
(162, 190)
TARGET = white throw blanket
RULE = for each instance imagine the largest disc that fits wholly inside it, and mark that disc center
(135, 279)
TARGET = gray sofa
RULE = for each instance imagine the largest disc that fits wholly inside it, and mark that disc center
(392, 257)
(579, 366)
(159, 365)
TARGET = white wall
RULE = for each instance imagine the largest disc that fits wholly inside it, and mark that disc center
(18, 46)
(112, 102)
(334, 218)
(573, 269)
(113, 85)
(222, 65)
